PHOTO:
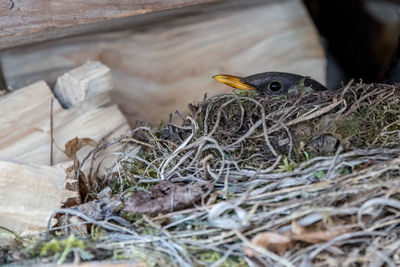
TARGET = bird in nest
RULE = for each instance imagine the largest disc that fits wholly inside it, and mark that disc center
(271, 83)
(281, 84)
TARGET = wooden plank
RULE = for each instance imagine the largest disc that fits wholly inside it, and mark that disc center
(27, 21)
(168, 61)
(29, 194)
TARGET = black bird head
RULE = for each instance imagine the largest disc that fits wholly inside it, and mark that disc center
(271, 83)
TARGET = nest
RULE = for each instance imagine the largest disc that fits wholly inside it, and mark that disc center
(307, 179)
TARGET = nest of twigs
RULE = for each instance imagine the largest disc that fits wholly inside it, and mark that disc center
(307, 179)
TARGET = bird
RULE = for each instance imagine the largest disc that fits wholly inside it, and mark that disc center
(271, 83)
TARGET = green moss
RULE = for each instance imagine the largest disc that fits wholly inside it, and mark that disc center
(90, 196)
(244, 93)
(132, 217)
(319, 174)
(287, 165)
(97, 232)
(349, 125)
(138, 222)
(63, 247)
(210, 257)
(362, 128)
(118, 185)
(133, 253)
(345, 170)
(307, 156)
(141, 168)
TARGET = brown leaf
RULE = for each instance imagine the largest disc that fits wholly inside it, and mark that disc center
(167, 196)
(73, 145)
(299, 233)
(315, 237)
(297, 228)
(280, 243)
(71, 148)
(272, 241)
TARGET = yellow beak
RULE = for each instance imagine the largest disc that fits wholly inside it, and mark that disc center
(234, 82)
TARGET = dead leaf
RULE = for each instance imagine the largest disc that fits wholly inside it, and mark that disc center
(280, 243)
(167, 196)
(272, 241)
(73, 146)
(318, 236)
(299, 233)
(297, 229)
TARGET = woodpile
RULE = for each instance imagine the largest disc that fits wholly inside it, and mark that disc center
(37, 173)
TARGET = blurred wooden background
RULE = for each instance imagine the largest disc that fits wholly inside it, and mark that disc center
(162, 61)
(29, 21)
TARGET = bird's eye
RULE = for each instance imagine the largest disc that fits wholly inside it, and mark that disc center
(274, 86)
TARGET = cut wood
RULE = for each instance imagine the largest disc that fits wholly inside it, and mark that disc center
(29, 194)
(25, 124)
(25, 133)
(24, 22)
(167, 61)
(83, 83)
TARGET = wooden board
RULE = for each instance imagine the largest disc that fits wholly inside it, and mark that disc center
(27, 21)
(167, 61)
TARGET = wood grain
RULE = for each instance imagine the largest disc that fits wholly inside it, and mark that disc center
(27, 21)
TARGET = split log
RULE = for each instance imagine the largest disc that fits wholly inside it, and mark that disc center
(29, 194)
(83, 83)
(25, 124)
(167, 61)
